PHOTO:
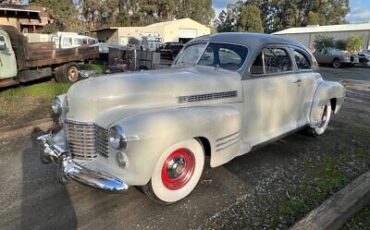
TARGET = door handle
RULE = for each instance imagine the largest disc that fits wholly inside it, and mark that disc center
(298, 81)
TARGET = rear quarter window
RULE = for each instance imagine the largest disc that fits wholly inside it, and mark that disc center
(301, 60)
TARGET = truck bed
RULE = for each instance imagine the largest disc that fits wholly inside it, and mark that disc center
(38, 55)
(31, 55)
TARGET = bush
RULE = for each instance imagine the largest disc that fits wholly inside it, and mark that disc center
(323, 41)
(341, 44)
(354, 43)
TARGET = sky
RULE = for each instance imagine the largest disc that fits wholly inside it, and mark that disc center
(360, 9)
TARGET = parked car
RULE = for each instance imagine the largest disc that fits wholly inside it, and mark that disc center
(225, 94)
(170, 50)
(335, 57)
(364, 56)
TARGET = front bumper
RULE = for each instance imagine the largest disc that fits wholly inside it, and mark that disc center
(68, 169)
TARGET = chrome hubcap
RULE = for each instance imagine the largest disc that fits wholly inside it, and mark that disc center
(176, 167)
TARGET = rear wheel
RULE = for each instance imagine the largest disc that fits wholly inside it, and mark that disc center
(323, 121)
(176, 173)
(336, 63)
(68, 73)
(71, 73)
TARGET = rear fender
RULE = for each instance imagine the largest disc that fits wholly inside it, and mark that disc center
(326, 91)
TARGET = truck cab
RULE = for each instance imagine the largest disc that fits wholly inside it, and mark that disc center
(8, 63)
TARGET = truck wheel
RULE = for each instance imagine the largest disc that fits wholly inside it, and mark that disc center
(70, 73)
(336, 63)
(176, 173)
(323, 121)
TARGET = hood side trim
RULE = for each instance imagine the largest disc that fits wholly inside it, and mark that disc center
(207, 97)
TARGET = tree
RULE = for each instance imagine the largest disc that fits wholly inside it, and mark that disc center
(322, 41)
(198, 10)
(281, 14)
(354, 43)
(313, 18)
(64, 14)
(250, 19)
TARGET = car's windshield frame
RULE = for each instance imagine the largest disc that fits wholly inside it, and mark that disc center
(207, 44)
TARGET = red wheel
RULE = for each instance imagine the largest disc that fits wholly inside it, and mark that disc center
(176, 173)
(178, 169)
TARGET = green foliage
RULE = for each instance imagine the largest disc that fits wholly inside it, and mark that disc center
(341, 44)
(360, 221)
(99, 13)
(313, 18)
(46, 89)
(278, 15)
(322, 41)
(354, 43)
(63, 13)
(250, 19)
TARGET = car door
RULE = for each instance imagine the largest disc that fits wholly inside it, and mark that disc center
(306, 81)
(271, 96)
(8, 64)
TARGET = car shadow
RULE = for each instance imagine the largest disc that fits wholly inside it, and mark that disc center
(45, 202)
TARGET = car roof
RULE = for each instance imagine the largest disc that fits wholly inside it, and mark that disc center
(251, 40)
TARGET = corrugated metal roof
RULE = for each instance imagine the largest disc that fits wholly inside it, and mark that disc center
(321, 29)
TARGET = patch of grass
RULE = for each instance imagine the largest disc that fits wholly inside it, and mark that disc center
(327, 178)
(45, 89)
(360, 221)
(100, 69)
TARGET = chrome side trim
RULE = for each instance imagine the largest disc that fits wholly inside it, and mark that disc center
(207, 97)
(227, 141)
(69, 170)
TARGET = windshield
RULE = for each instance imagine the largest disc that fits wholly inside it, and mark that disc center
(225, 56)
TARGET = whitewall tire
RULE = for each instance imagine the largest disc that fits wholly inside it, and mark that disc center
(323, 120)
(176, 173)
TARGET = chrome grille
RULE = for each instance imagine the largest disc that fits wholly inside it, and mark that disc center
(208, 97)
(86, 140)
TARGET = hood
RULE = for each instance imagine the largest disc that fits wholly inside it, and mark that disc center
(90, 98)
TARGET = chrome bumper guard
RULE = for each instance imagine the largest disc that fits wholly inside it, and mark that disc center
(68, 169)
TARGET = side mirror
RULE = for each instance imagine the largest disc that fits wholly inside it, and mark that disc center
(2, 45)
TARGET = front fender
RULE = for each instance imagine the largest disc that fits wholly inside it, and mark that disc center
(326, 91)
(149, 134)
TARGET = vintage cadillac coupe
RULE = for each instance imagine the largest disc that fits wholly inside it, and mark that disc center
(225, 94)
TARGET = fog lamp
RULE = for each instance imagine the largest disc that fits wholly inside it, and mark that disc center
(121, 159)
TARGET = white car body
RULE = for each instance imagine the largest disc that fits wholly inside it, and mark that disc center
(229, 108)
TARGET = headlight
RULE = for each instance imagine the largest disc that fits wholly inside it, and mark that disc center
(117, 138)
(57, 106)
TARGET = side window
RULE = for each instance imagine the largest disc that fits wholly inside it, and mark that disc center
(67, 42)
(276, 60)
(257, 67)
(271, 60)
(301, 60)
(229, 59)
(208, 57)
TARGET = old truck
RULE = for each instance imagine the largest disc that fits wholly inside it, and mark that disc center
(21, 61)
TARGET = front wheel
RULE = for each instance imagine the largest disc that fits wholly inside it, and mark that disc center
(176, 173)
(322, 122)
(336, 63)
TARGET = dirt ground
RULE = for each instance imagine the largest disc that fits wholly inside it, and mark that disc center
(269, 188)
